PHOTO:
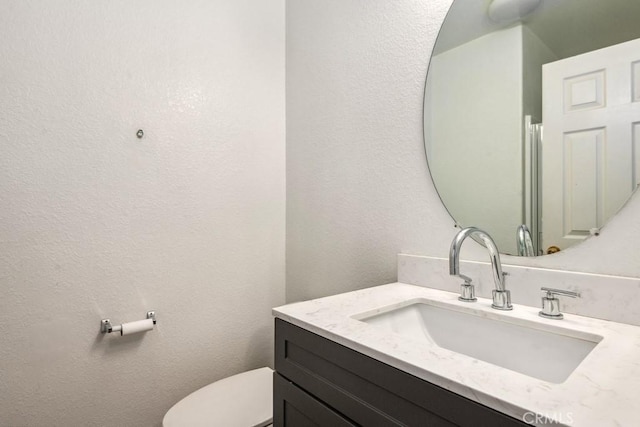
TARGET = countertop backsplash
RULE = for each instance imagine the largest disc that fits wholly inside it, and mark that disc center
(605, 297)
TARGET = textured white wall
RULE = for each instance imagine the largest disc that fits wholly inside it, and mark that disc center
(358, 189)
(95, 223)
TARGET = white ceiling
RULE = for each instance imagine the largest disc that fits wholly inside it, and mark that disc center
(567, 27)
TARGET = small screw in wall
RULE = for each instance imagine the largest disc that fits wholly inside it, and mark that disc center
(140, 133)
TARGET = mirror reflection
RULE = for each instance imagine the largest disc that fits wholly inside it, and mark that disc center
(532, 118)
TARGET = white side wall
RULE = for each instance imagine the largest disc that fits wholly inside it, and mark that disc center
(535, 55)
(358, 187)
(95, 223)
(475, 133)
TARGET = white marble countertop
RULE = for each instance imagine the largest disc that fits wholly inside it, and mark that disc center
(602, 391)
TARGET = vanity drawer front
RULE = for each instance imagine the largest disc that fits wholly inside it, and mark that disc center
(370, 392)
(292, 407)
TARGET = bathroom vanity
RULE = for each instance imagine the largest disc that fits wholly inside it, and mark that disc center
(349, 359)
(320, 382)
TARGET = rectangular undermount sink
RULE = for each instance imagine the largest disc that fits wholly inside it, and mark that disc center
(528, 347)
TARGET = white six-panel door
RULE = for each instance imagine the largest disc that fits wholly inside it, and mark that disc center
(591, 141)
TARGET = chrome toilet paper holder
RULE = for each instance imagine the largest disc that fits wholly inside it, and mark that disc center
(106, 327)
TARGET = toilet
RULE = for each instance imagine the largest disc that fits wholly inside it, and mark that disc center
(242, 400)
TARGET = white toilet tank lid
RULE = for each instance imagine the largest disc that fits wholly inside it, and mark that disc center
(242, 400)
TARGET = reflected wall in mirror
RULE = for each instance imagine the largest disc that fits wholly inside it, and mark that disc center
(534, 120)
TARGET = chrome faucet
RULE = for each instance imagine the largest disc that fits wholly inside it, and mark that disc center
(524, 242)
(501, 296)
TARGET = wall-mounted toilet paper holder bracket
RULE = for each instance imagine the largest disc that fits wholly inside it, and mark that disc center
(106, 327)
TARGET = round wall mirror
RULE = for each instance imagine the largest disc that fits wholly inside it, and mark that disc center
(532, 118)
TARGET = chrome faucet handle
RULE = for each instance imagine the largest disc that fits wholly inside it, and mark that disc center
(551, 304)
(467, 291)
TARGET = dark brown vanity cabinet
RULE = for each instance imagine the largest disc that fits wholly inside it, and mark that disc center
(321, 383)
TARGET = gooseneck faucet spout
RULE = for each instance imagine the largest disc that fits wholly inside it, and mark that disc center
(501, 296)
(523, 241)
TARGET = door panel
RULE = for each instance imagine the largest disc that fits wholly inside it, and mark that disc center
(590, 150)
